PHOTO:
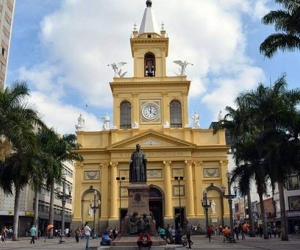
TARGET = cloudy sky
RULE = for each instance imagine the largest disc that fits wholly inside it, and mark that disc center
(61, 48)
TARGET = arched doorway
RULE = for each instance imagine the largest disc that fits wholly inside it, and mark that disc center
(156, 205)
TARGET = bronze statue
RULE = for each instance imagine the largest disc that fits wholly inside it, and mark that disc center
(133, 224)
(138, 166)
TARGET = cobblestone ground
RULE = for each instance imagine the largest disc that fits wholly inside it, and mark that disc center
(200, 242)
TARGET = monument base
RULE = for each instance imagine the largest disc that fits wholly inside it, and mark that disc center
(138, 205)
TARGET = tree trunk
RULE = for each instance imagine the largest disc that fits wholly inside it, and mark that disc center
(250, 211)
(263, 215)
(51, 212)
(16, 213)
(284, 235)
(36, 210)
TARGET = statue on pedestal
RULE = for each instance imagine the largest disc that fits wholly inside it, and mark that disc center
(138, 164)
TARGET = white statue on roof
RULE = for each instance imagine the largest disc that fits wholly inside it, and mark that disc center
(117, 69)
(196, 119)
(220, 116)
(183, 65)
(106, 122)
(81, 123)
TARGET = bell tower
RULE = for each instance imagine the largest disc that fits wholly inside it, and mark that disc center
(149, 47)
(150, 99)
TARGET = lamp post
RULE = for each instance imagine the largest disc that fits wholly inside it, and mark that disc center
(230, 197)
(179, 178)
(63, 196)
(95, 205)
(120, 179)
(206, 206)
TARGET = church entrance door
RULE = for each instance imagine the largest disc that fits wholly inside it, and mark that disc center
(156, 206)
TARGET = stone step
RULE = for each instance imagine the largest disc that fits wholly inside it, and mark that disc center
(166, 247)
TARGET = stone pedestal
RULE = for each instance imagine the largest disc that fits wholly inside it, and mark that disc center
(138, 198)
(138, 203)
(214, 219)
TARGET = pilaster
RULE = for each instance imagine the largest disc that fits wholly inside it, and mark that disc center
(190, 208)
(199, 187)
(114, 191)
(104, 191)
(168, 193)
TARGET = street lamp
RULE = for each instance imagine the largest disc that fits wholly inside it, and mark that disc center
(120, 179)
(206, 206)
(179, 178)
(95, 206)
(230, 197)
(63, 196)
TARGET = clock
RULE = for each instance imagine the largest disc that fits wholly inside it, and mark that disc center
(150, 111)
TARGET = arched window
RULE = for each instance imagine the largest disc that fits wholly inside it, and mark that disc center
(125, 115)
(175, 114)
(149, 64)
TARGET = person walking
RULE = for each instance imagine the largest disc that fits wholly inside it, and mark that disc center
(32, 234)
(47, 231)
(87, 233)
(188, 235)
(209, 233)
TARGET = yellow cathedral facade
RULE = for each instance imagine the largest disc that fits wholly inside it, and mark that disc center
(183, 162)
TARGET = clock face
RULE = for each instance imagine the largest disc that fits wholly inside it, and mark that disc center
(150, 111)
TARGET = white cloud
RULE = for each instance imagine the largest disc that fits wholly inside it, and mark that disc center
(83, 37)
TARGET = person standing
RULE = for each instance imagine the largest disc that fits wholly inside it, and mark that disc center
(87, 233)
(77, 234)
(4, 234)
(32, 234)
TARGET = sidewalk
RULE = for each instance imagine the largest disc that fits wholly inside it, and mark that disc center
(200, 242)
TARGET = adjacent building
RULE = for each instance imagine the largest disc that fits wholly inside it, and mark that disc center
(6, 21)
(27, 204)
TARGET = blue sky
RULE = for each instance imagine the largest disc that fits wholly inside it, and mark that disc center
(61, 48)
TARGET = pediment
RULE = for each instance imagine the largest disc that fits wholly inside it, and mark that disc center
(152, 139)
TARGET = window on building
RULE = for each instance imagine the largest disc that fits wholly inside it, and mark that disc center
(294, 202)
(125, 115)
(293, 182)
(149, 65)
(175, 114)
(3, 52)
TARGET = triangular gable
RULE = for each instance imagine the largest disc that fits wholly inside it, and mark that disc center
(149, 139)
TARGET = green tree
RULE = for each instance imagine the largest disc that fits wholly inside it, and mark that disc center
(58, 150)
(17, 123)
(287, 27)
(272, 125)
(243, 132)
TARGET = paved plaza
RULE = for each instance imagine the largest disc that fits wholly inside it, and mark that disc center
(200, 242)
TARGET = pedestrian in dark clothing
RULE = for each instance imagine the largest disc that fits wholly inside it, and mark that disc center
(209, 233)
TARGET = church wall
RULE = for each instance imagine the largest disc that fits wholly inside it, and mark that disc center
(105, 138)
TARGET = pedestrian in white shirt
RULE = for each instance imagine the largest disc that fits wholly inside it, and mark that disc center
(87, 233)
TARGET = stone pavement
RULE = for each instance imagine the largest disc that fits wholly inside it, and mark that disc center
(200, 242)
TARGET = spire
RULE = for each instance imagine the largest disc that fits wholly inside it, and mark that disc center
(148, 24)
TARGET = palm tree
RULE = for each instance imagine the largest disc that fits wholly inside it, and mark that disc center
(270, 112)
(287, 26)
(17, 122)
(58, 150)
(240, 125)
